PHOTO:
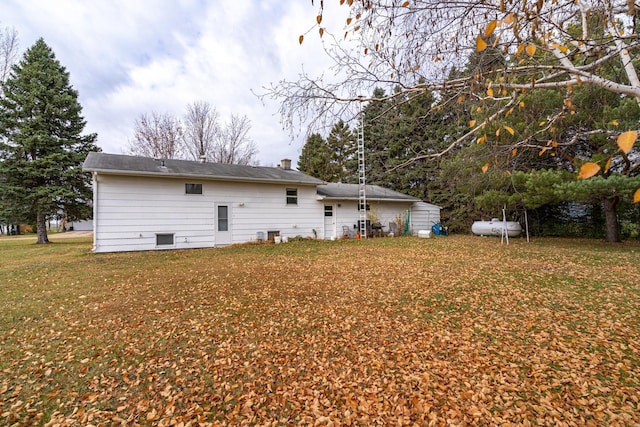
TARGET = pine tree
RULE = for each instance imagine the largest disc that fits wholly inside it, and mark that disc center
(341, 144)
(41, 143)
(315, 158)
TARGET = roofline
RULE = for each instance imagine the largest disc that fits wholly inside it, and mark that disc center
(374, 199)
(200, 177)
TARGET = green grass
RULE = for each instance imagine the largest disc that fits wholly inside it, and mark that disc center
(405, 330)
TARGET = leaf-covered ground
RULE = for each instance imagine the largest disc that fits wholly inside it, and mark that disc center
(449, 331)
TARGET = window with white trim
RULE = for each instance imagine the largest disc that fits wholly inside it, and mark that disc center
(223, 218)
(190, 188)
(164, 239)
(292, 196)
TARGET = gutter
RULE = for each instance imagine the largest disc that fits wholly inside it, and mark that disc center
(375, 199)
(200, 177)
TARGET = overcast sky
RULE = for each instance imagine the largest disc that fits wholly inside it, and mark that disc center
(128, 57)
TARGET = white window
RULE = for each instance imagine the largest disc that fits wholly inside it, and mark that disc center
(223, 218)
(292, 196)
(193, 188)
(165, 239)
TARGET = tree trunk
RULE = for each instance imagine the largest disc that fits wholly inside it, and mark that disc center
(612, 229)
(41, 224)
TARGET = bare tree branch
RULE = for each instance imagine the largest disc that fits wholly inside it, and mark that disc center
(8, 51)
(201, 130)
(233, 144)
(157, 135)
(416, 45)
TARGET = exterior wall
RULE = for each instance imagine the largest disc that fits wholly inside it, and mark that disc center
(130, 211)
(423, 216)
(86, 225)
(347, 215)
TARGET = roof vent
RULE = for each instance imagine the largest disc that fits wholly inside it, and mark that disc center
(286, 164)
(203, 158)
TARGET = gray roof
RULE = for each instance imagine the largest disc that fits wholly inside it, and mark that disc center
(351, 192)
(118, 164)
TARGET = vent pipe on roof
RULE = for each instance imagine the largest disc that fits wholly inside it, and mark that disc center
(286, 164)
(203, 158)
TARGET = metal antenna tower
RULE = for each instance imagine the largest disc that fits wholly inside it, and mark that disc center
(362, 180)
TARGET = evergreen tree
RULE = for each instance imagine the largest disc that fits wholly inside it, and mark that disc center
(315, 158)
(341, 144)
(41, 143)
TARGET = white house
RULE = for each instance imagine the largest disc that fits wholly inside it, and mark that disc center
(147, 204)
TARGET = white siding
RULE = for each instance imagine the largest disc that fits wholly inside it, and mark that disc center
(130, 211)
(423, 216)
(86, 225)
(347, 214)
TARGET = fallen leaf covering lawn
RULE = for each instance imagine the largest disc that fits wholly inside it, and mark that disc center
(451, 331)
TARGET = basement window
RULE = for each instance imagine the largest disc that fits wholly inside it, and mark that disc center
(193, 188)
(165, 239)
(292, 196)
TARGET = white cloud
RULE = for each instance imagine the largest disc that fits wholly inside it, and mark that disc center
(130, 57)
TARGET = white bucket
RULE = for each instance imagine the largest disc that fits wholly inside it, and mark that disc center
(424, 234)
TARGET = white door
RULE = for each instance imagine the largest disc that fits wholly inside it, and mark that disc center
(223, 224)
(329, 222)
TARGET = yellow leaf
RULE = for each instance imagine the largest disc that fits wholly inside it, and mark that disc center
(321, 31)
(485, 167)
(509, 19)
(608, 165)
(498, 132)
(341, 2)
(301, 39)
(480, 44)
(520, 49)
(472, 123)
(542, 124)
(482, 139)
(490, 29)
(509, 129)
(514, 152)
(588, 170)
(626, 140)
(531, 49)
(521, 104)
(349, 21)
(405, 4)
(614, 122)
(489, 92)
(636, 196)
(319, 19)
(541, 152)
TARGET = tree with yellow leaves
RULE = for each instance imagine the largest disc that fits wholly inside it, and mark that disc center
(415, 44)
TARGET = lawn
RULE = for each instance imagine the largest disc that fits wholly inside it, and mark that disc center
(451, 331)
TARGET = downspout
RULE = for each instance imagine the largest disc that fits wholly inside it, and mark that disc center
(95, 210)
